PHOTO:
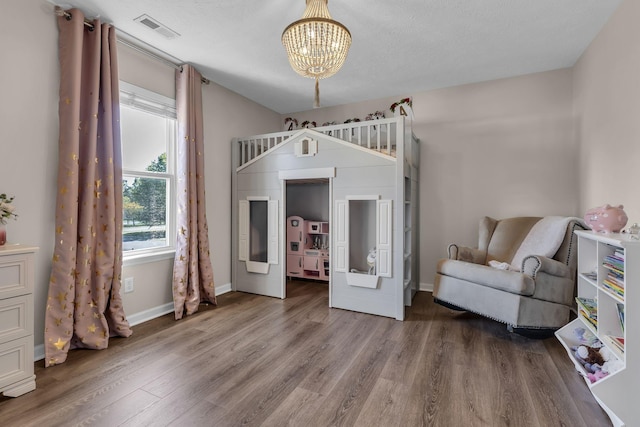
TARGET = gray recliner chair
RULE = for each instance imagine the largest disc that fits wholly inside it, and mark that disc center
(534, 301)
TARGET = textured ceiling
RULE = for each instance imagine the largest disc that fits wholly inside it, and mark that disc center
(399, 47)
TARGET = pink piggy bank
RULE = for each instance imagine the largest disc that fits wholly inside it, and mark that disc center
(606, 219)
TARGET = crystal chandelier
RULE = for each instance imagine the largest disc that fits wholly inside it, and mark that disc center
(316, 44)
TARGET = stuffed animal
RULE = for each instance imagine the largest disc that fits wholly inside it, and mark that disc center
(590, 355)
(597, 362)
(593, 368)
(612, 366)
(586, 338)
(593, 377)
(611, 363)
(371, 260)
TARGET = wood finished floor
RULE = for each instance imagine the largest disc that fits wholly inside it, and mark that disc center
(262, 361)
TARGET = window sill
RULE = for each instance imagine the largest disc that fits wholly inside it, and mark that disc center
(128, 260)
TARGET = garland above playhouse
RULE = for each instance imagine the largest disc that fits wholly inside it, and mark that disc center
(404, 107)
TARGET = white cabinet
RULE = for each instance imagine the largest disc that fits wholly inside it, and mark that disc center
(16, 319)
(609, 276)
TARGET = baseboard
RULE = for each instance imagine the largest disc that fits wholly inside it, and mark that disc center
(141, 317)
(223, 289)
(426, 287)
(150, 314)
(38, 352)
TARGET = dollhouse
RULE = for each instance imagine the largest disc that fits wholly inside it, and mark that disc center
(365, 248)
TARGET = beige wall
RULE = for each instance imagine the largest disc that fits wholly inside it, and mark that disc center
(607, 111)
(501, 148)
(226, 115)
(29, 80)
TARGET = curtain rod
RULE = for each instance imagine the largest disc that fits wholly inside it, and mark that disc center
(68, 15)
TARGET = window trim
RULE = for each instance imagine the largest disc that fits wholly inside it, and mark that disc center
(144, 100)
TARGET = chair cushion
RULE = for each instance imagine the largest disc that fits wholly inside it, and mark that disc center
(509, 281)
(508, 236)
(513, 309)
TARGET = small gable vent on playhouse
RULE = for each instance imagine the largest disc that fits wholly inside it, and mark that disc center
(306, 147)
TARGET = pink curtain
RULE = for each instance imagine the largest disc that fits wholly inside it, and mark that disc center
(192, 271)
(84, 307)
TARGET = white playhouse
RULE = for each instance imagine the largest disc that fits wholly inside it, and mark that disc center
(337, 204)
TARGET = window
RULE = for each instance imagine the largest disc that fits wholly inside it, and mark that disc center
(362, 236)
(148, 127)
(258, 233)
(259, 226)
(363, 239)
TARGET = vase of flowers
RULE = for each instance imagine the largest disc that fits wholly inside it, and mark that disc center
(6, 212)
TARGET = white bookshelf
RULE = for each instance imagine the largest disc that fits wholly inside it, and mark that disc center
(617, 393)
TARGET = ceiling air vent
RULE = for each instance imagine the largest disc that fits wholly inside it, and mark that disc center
(156, 26)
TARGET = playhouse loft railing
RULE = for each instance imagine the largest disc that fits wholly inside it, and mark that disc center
(379, 135)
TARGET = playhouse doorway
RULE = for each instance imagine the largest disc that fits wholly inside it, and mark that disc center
(307, 214)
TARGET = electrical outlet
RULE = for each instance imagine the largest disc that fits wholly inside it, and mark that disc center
(128, 285)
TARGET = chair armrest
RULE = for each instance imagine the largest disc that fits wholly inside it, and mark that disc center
(553, 279)
(464, 253)
(535, 264)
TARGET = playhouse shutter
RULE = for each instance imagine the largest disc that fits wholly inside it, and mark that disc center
(272, 231)
(243, 230)
(341, 236)
(383, 238)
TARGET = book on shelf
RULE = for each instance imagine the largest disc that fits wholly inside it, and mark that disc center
(613, 288)
(591, 275)
(620, 308)
(592, 321)
(617, 342)
(612, 268)
(589, 306)
(614, 284)
(616, 280)
(615, 261)
(619, 254)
